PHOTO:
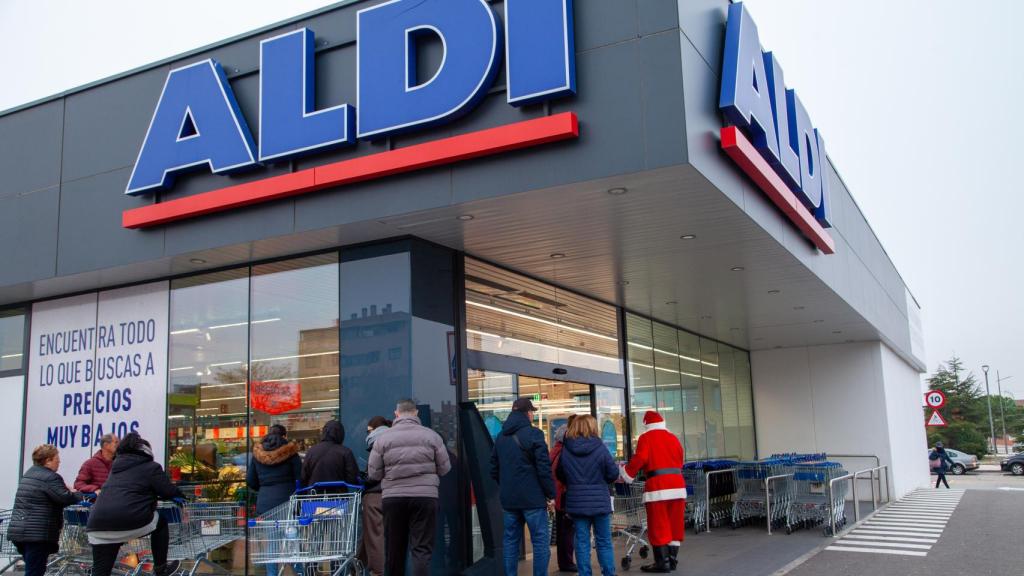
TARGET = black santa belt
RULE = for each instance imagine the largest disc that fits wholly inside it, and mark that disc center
(664, 472)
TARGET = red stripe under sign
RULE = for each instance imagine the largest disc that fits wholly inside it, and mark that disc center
(488, 142)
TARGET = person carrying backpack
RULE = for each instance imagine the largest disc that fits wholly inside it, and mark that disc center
(520, 465)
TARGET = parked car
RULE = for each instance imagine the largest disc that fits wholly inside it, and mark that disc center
(1014, 464)
(962, 463)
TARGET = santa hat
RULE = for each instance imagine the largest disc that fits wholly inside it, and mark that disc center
(652, 417)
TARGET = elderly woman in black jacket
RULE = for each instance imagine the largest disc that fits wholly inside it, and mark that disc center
(38, 514)
(126, 509)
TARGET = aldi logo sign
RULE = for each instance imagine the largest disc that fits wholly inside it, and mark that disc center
(771, 136)
(197, 124)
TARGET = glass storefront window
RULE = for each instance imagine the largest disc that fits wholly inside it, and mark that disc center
(666, 377)
(493, 393)
(730, 414)
(695, 434)
(640, 361)
(293, 345)
(714, 420)
(745, 405)
(611, 419)
(208, 427)
(512, 315)
(555, 401)
(12, 340)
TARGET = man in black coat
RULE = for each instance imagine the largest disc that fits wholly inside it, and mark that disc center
(520, 464)
(126, 509)
(330, 460)
(38, 514)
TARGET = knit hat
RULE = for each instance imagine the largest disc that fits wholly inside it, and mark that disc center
(652, 417)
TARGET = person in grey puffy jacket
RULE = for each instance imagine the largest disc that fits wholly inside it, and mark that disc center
(408, 461)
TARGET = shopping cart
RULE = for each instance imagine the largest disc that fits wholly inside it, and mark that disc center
(314, 529)
(751, 501)
(198, 528)
(811, 505)
(710, 485)
(9, 555)
(629, 520)
(75, 556)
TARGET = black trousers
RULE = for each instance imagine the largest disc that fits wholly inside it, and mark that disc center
(942, 478)
(35, 555)
(409, 527)
(565, 538)
(104, 556)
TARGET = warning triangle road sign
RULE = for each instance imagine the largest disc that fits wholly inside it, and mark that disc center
(936, 419)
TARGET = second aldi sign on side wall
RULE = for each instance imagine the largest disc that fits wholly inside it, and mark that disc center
(197, 124)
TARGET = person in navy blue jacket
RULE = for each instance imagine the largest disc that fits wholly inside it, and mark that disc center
(521, 465)
(586, 467)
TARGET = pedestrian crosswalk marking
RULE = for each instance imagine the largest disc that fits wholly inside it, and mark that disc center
(909, 527)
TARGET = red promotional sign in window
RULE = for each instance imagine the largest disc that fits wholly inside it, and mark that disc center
(275, 397)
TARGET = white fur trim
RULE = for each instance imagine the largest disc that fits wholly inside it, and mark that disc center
(675, 543)
(656, 426)
(662, 495)
(625, 476)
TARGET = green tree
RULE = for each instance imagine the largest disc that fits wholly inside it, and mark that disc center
(965, 411)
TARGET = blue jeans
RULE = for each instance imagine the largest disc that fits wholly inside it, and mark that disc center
(536, 519)
(602, 526)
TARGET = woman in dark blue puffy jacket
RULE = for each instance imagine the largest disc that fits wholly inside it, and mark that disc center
(586, 467)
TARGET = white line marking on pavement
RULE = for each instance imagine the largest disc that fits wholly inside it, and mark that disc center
(904, 527)
(912, 520)
(872, 531)
(1013, 489)
(913, 515)
(860, 536)
(845, 542)
(875, 551)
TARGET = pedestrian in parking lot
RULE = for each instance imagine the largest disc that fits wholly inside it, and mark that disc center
(408, 460)
(273, 473)
(659, 455)
(330, 460)
(938, 460)
(371, 545)
(587, 468)
(520, 464)
(126, 508)
(95, 470)
(564, 530)
(38, 514)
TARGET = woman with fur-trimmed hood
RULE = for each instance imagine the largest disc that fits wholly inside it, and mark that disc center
(275, 469)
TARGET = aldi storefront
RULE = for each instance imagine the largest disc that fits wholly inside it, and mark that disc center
(593, 204)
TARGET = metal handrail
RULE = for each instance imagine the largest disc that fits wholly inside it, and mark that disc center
(878, 461)
(707, 495)
(875, 500)
(768, 499)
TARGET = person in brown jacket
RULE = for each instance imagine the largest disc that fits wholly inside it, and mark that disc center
(94, 471)
(408, 461)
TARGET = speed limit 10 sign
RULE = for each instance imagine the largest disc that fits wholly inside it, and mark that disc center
(935, 399)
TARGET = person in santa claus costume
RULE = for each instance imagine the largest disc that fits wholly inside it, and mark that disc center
(659, 455)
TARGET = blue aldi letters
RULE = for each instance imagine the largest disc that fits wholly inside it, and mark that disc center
(754, 97)
(197, 121)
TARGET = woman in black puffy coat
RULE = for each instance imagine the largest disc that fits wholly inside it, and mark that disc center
(38, 514)
(126, 508)
(274, 472)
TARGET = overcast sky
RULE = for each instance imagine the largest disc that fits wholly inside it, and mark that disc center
(919, 103)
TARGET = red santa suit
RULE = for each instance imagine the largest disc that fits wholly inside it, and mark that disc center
(659, 455)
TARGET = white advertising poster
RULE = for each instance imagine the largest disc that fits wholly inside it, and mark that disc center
(97, 365)
(131, 365)
(62, 349)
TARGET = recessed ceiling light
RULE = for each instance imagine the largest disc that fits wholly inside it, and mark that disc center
(465, 217)
(774, 292)
(197, 261)
(798, 307)
(737, 268)
(837, 331)
(671, 303)
(687, 236)
(557, 256)
(617, 191)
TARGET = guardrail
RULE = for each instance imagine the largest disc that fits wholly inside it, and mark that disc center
(853, 478)
(768, 498)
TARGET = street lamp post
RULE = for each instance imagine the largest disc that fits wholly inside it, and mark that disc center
(1002, 410)
(988, 397)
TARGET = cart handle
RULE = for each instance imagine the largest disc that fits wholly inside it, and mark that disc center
(337, 484)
